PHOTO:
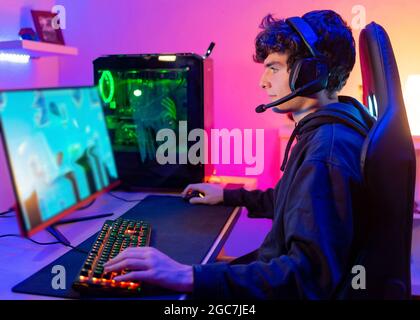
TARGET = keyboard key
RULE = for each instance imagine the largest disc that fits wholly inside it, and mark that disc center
(84, 272)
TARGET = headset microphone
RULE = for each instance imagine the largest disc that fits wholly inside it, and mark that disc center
(262, 107)
(305, 90)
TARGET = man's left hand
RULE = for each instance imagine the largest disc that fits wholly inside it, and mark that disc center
(150, 265)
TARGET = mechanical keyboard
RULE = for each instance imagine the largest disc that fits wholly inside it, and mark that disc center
(114, 237)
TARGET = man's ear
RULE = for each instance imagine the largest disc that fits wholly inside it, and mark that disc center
(324, 96)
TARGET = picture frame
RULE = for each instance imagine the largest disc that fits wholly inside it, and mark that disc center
(44, 27)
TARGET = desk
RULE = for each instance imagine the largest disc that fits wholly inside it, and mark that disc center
(20, 258)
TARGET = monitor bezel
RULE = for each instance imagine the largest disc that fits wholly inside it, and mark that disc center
(17, 206)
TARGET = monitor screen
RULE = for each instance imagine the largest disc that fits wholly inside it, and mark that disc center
(58, 149)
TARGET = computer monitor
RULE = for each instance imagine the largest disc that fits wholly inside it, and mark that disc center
(58, 150)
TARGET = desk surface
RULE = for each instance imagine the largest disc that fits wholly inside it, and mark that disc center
(20, 258)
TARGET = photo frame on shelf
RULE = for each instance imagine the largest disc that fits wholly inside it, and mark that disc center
(43, 21)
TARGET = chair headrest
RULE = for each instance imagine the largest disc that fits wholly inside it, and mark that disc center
(381, 81)
(381, 84)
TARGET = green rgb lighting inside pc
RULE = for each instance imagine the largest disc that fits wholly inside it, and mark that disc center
(143, 94)
(140, 103)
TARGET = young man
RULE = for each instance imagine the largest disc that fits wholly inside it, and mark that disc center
(316, 205)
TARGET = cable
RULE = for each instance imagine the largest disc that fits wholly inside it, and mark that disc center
(34, 241)
(43, 243)
(87, 205)
(75, 248)
(122, 199)
(2, 214)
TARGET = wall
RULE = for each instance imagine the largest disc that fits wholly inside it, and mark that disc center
(15, 14)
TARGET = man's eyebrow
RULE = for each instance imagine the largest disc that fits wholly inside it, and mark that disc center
(273, 63)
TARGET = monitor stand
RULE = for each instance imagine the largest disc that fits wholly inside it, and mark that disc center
(60, 237)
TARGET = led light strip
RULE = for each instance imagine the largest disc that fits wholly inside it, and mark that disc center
(167, 58)
(15, 58)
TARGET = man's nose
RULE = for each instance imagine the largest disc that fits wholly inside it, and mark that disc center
(264, 83)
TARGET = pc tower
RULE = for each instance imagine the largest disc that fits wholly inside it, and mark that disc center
(145, 94)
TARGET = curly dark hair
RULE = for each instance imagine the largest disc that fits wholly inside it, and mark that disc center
(336, 44)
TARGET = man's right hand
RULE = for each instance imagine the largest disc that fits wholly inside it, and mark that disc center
(213, 193)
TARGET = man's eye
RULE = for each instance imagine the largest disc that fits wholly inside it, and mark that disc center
(274, 69)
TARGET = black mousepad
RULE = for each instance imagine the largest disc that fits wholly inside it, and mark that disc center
(183, 231)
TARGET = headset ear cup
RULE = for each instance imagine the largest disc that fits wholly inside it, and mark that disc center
(294, 74)
(309, 71)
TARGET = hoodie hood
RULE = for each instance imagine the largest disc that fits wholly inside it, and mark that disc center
(348, 111)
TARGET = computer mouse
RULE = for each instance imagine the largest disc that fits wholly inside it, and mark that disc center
(193, 194)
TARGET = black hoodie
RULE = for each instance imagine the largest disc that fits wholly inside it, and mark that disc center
(316, 207)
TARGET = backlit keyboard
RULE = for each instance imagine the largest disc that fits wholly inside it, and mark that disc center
(114, 237)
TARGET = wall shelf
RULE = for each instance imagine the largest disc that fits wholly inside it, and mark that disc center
(36, 49)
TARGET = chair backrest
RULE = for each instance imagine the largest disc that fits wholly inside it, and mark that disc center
(388, 164)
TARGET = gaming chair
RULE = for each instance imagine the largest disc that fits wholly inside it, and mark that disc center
(388, 165)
